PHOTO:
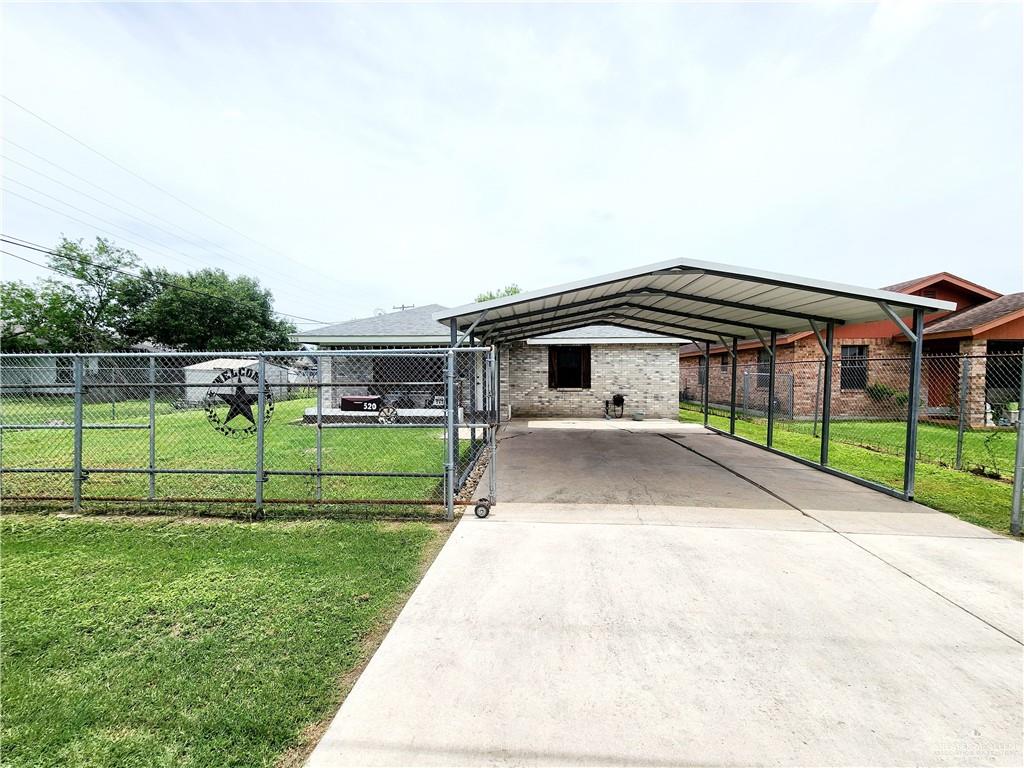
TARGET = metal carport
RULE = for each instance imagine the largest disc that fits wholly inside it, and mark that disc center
(712, 303)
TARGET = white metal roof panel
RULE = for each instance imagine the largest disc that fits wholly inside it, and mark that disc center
(697, 299)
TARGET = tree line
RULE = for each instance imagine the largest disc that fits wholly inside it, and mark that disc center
(111, 300)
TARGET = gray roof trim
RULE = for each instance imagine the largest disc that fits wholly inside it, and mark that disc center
(750, 297)
(428, 341)
(417, 322)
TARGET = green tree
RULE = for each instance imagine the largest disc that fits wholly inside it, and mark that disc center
(92, 313)
(509, 290)
(208, 309)
(109, 302)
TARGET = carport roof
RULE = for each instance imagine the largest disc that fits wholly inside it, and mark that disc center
(700, 300)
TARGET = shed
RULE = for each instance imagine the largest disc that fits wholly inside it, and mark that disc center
(199, 376)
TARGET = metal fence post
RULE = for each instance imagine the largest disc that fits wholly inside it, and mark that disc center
(706, 379)
(826, 392)
(913, 405)
(732, 387)
(817, 401)
(475, 358)
(319, 427)
(965, 370)
(497, 381)
(492, 477)
(1018, 472)
(78, 374)
(450, 471)
(771, 391)
(261, 402)
(152, 427)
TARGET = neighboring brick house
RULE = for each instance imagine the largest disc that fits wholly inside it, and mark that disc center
(872, 360)
(569, 374)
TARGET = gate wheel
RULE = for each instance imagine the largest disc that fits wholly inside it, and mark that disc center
(482, 509)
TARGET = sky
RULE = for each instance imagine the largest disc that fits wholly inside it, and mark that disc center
(357, 157)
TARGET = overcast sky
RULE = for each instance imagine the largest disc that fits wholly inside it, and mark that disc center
(365, 156)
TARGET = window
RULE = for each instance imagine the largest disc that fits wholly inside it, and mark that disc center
(764, 369)
(568, 367)
(853, 368)
(723, 362)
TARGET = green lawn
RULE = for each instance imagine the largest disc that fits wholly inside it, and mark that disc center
(186, 440)
(170, 642)
(989, 450)
(970, 497)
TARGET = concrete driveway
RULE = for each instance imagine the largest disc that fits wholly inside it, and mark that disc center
(671, 597)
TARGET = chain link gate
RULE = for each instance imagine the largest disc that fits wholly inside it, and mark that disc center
(373, 427)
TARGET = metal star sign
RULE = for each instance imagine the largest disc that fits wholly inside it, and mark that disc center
(238, 389)
(241, 404)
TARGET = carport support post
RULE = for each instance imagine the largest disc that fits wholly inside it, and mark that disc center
(732, 386)
(76, 477)
(771, 389)
(261, 402)
(826, 392)
(1018, 473)
(453, 435)
(913, 405)
(705, 399)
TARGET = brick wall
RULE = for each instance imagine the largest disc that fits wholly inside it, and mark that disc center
(976, 410)
(647, 374)
(802, 361)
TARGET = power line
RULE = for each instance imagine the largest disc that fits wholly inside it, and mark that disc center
(295, 285)
(21, 243)
(169, 253)
(200, 242)
(171, 286)
(162, 283)
(105, 203)
(11, 240)
(157, 187)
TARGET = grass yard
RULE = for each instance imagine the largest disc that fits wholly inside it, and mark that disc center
(976, 499)
(990, 450)
(186, 440)
(174, 642)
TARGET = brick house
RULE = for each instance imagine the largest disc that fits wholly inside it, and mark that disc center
(872, 363)
(567, 374)
(573, 373)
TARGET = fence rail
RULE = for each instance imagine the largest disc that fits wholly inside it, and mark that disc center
(383, 427)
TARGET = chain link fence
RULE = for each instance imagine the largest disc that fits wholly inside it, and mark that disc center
(968, 418)
(342, 427)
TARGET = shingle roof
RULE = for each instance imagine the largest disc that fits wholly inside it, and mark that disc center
(900, 287)
(979, 315)
(602, 332)
(920, 283)
(416, 321)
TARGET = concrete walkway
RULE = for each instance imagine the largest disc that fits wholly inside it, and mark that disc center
(636, 600)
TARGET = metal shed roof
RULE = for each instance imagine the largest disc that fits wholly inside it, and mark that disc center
(700, 300)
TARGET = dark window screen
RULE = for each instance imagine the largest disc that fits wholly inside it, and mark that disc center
(568, 367)
(853, 368)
